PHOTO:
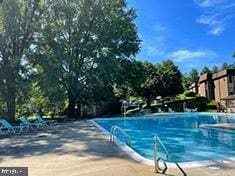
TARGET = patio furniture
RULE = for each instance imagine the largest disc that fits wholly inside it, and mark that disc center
(33, 126)
(171, 110)
(8, 128)
(47, 123)
(159, 110)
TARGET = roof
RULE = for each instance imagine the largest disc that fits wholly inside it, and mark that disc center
(223, 73)
(230, 97)
(205, 77)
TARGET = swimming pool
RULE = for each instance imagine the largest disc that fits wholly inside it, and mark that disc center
(183, 135)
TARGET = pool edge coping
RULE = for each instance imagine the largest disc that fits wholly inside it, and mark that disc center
(137, 157)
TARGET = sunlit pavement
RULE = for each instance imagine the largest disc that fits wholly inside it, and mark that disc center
(79, 148)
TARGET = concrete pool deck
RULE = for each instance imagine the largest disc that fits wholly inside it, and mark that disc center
(80, 149)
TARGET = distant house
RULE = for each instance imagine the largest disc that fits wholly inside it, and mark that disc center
(230, 103)
(216, 86)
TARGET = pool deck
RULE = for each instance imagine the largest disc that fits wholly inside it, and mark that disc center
(80, 149)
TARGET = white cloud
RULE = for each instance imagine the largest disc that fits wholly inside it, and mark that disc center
(216, 14)
(217, 30)
(208, 3)
(155, 45)
(184, 55)
(159, 28)
(209, 20)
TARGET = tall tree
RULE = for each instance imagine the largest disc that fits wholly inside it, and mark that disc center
(215, 69)
(151, 82)
(161, 80)
(18, 23)
(205, 70)
(224, 66)
(83, 40)
(193, 76)
(171, 78)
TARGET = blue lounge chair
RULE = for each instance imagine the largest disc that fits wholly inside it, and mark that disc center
(47, 123)
(159, 110)
(33, 126)
(8, 128)
(171, 110)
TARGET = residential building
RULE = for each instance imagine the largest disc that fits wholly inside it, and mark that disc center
(215, 86)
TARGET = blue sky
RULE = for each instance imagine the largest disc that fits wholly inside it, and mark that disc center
(193, 33)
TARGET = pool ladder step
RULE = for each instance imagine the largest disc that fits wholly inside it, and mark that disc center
(117, 128)
(157, 160)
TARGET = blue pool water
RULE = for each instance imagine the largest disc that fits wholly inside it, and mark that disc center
(181, 135)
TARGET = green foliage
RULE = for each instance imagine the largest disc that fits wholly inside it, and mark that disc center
(205, 70)
(215, 69)
(189, 79)
(225, 66)
(19, 21)
(198, 102)
(186, 95)
(189, 94)
(82, 45)
(156, 80)
(193, 76)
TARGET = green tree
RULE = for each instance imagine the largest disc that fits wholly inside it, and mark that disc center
(205, 70)
(150, 83)
(171, 78)
(224, 66)
(189, 79)
(185, 81)
(193, 76)
(82, 43)
(18, 23)
(215, 69)
(160, 80)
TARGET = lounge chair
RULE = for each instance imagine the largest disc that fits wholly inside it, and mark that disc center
(187, 110)
(170, 110)
(47, 123)
(33, 126)
(159, 110)
(8, 128)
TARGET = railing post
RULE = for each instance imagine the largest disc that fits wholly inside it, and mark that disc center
(112, 134)
(155, 154)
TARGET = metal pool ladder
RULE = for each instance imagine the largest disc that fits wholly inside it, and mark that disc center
(158, 159)
(113, 131)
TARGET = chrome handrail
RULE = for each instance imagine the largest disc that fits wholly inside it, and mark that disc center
(112, 134)
(157, 159)
(156, 138)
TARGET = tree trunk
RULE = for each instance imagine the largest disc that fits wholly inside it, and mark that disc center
(71, 106)
(148, 101)
(11, 96)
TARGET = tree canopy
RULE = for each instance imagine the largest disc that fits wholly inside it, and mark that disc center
(18, 25)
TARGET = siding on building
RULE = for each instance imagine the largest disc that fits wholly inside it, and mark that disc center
(215, 86)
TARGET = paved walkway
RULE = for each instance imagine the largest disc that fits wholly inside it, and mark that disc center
(80, 149)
